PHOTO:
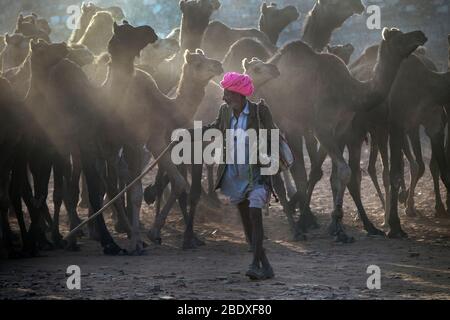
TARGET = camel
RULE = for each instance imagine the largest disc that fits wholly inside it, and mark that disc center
(88, 10)
(11, 133)
(424, 103)
(325, 17)
(142, 107)
(342, 51)
(30, 26)
(154, 54)
(313, 110)
(41, 23)
(15, 51)
(195, 16)
(271, 23)
(98, 32)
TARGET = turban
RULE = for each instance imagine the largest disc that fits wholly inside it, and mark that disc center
(236, 82)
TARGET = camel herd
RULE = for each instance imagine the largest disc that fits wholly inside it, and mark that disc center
(92, 109)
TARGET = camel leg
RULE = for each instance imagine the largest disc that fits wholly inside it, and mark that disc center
(372, 170)
(354, 150)
(382, 137)
(191, 240)
(40, 168)
(436, 132)
(112, 189)
(57, 200)
(133, 156)
(396, 142)
(84, 199)
(178, 185)
(288, 209)
(340, 178)
(89, 160)
(439, 205)
(307, 219)
(417, 167)
(316, 173)
(16, 198)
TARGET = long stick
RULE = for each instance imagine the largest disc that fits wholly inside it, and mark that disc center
(106, 206)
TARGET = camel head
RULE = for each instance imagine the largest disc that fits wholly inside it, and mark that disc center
(44, 55)
(116, 12)
(160, 50)
(199, 68)
(80, 55)
(41, 23)
(342, 51)
(128, 41)
(260, 71)
(88, 10)
(401, 45)
(198, 12)
(16, 50)
(273, 20)
(340, 10)
(28, 26)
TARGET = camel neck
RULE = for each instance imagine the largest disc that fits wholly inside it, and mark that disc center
(191, 33)
(190, 94)
(378, 88)
(273, 35)
(318, 29)
(439, 84)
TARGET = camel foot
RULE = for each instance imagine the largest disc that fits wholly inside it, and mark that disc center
(441, 213)
(397, 233)
(308, 221)
(58, 240)
(257, 274)
(411, 212)
(45, 245)
(403, 196)
(112, 249)
(199, 242)
(136, 249)
(72, 246)
(150, 194)
(154, 236)
(189, 243)
(336, 229)
(300, 236)
(372, 231)
(93, 233)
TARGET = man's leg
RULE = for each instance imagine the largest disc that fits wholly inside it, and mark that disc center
(246, 222)
(257, 200)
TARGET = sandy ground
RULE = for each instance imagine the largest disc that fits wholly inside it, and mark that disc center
(413, 268)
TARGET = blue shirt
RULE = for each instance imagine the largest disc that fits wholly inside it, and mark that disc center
(236, 179)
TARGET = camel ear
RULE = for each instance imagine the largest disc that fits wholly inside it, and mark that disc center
(187, 56)
(264, 8)
(115, 27)
(245, 64)
(33, 44)
(7, 38)
(182, 5)
(215, 4)
(385, 33)
(199, 51)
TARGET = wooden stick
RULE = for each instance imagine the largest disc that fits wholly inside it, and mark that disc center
(106, 206)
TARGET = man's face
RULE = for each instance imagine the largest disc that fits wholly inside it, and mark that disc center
(233, 99)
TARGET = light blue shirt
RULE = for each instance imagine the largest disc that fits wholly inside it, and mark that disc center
(236, 179)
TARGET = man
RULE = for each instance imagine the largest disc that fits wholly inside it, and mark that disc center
(243, 183)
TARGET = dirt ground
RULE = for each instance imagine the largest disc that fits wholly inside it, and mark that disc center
(413, 268)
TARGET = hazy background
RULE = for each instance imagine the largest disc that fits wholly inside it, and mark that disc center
(431, 16)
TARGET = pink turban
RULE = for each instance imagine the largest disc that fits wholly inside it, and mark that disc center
(236, 82)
